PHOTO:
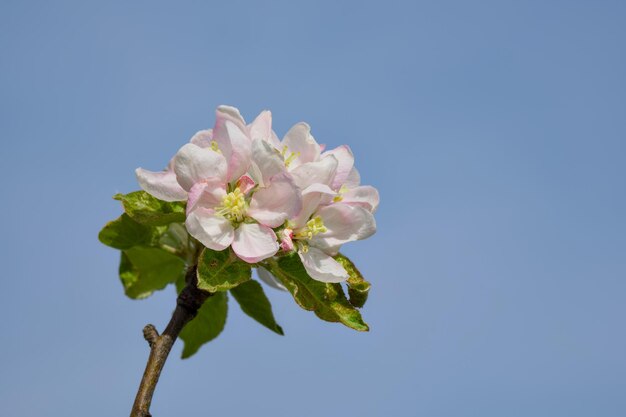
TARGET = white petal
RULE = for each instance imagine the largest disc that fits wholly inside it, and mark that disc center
(266, 162)
(299, 140)
(345, 223)
(231, 135)
(220, 133)
(319, 188)
(275, 141)
(269, 279)
(280, 201)
(345, 163)
(214, 232)
(261, 127)
(312, 197)
(241, 152)
(162, 185)
(354, 179)
(233, 113)
(206, 194)
(254, 242)
(322, 267)
(364, 195)
(193, 164)
(320, 172)
(202, 138)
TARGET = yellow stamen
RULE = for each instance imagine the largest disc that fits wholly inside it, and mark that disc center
(312, 228)
(233, 206)
(215, 147)
(292, 155)
(340, 193)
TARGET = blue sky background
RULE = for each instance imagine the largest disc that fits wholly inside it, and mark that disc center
(494, 130)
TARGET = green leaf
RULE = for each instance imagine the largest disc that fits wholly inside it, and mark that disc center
(207, 325)
(358, 287)
(124, 233)
(221, 271)
(255, 304)
(148, 210)
(144, 270)
(327, 300)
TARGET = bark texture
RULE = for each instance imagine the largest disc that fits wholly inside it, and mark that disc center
(187, 304)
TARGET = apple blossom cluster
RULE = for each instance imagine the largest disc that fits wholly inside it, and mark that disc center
(263, 197)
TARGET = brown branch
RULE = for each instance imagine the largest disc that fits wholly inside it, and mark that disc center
(189, 301)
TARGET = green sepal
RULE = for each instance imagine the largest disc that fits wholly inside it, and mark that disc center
(144, 270)
(255, 304)
(221, 271)
(124, 233)
(148, 210)
(207, 325)
(358, 287)
(326, 300)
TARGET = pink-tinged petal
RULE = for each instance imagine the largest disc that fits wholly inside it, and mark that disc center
(207, 194)
(241, 152)
(266, 162)
(231, 135)
(261, 127)
(193, 164)
(245, 184)
(280, 201)
(269, 279)
(320, 172)
(344, 223)
(162, 185)
(232, 113)
(300, 141)
(214, 232)
(364, 195)
(220, 132)
(354, 179)
(254, 242)
(322, 267)
(202, 138)
(345, 162)
(286, 240)
(312, 197)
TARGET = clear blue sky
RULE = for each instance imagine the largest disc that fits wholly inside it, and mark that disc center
(494, 130)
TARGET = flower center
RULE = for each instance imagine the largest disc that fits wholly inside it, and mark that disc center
(312, 228)
(292, 155)
(233, 206)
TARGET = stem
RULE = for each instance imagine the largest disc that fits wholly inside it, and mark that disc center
(189, 301)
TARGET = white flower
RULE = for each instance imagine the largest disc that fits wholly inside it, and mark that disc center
(249, 190)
